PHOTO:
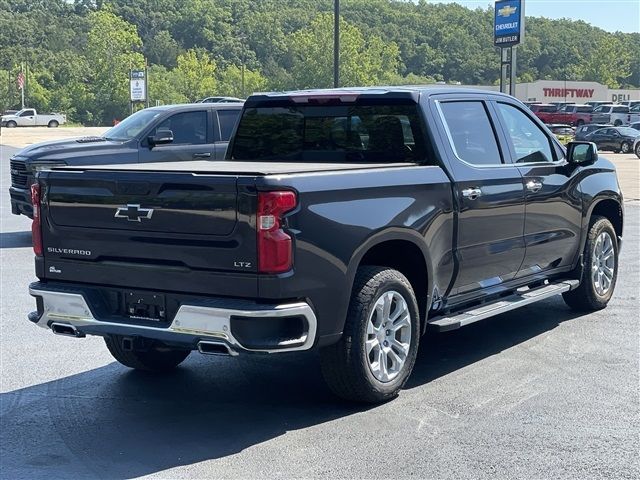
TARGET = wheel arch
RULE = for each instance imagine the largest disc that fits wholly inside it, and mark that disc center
(401, 250)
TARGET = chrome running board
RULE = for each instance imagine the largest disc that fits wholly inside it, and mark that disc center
(519, 299)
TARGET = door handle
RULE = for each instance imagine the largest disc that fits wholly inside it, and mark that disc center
(534, 186)
(471, 193)
(202, 155)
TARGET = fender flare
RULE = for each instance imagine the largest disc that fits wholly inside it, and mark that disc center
(392, 234)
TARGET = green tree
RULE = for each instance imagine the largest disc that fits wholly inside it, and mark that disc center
(363, 61)
(196, 74)
(230, 82)
(609, 64)
(113, 45)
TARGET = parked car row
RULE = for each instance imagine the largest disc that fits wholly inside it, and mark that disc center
(581, 114)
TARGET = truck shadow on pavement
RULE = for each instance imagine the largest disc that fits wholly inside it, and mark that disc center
(112, 422)
(15, 239)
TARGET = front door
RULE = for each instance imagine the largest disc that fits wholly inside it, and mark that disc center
(192, 139)
(490, 196)
(553, 201)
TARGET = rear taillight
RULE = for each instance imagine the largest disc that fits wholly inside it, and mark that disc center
(36, 227)
(275, 249)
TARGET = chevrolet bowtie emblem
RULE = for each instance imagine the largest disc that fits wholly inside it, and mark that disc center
(133, 213)
(507, 10)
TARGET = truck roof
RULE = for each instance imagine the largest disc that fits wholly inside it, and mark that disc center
(411, 90)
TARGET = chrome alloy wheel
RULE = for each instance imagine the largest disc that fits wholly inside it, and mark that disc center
(603, 264)
(388, 336)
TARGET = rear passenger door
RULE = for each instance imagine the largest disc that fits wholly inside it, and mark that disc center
(226, 120)
(489, 193)
(553, 200)
(192, 139)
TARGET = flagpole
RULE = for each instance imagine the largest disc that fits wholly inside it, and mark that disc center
(22, 88)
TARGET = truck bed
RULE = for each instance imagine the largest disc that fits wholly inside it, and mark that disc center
(237, 168)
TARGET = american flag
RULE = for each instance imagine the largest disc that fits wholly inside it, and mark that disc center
(21, 80)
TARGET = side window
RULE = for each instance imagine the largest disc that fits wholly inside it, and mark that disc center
(474, 140)
(27, 113)
(227, 120)
(189, 128)
(529, 142)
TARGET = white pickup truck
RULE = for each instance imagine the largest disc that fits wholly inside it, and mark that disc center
(28, 117)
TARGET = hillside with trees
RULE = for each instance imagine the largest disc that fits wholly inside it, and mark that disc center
(78, 52)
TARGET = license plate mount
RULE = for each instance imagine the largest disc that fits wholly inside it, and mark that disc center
(145, 306)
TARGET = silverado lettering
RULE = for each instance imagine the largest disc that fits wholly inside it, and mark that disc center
(364, 219)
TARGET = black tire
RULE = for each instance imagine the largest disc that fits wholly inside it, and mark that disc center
(157, 358)
(346, 364)
(638, 150)
(617, 123)
(586, 298)
(53, 124)
(11, 124)
(579, 123)
(625, 147)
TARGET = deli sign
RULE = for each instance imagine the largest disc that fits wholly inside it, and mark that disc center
(509, 23)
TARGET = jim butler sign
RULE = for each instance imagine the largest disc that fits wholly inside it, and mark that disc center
(509, 23)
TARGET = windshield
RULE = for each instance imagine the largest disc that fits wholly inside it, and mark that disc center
(132, 125)
(629, 132)
(340, 133)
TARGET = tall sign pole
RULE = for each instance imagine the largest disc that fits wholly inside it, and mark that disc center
(336, 43)
(508, 33)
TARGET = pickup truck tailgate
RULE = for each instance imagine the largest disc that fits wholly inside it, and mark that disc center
(147, 224)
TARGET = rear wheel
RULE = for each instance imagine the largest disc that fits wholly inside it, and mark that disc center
(638, 150)
(617, 123)
(580, 123)
(625, 147)
(600, 268)
(156, 358)
(53, 124)
(377, 351)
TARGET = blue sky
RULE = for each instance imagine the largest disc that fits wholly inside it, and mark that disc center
(611, 15)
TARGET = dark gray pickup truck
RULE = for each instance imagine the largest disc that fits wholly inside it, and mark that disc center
(167, 133)
(346, 221)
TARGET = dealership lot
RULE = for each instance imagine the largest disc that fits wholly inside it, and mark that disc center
(538, 392)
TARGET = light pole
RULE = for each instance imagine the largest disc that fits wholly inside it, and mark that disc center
(336, 43)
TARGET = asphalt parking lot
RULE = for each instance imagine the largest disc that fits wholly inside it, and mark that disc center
(539, 392)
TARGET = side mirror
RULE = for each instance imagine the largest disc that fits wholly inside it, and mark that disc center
(582, 152)
(162, 137)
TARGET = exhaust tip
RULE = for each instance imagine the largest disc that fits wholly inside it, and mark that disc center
(216, 348)
(66, 330)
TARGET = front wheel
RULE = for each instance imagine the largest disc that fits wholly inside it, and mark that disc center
(600, 268)
(625, 147)
(638, 150)
(11, 124)
(377, 351)
(154, 358)
(580, 123)
(617, 123)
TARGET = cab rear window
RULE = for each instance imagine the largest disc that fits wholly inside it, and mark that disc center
(337, 133)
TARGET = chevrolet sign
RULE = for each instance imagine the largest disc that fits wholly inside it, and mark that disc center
(509, 23)
(507, 11)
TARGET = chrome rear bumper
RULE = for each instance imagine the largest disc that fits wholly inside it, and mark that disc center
(191, 324)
